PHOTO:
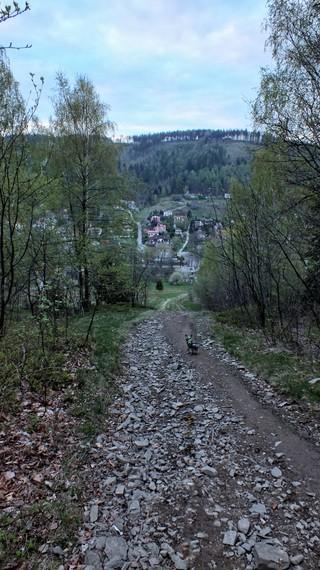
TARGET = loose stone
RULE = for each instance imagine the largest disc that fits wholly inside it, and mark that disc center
(116, 548)
(296, 560)
(244, 525)
(270, 557)
(230, 537)
(94, 511)
(258, 508)
(210, 471)
(276, 472)
(178, 562)
(92, 558)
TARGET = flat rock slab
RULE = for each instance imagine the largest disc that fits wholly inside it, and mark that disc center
(93, 560)
(244, 525)
(230, 537)
(270, 557)
(258, 509)
(116, 548)
(94, 512)
(178, 562)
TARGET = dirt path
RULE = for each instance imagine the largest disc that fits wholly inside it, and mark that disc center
(175, 301)
(304, 458)
(192, 474)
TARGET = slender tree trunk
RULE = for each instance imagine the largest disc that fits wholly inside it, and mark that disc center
(80, 281)
(86, 298)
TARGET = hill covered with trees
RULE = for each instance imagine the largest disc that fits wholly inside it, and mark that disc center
(196, 161)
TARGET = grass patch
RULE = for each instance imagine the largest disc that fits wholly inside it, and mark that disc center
(173, 297)
(204, 208)
(239, 318)
(22, 533)
(97, 386)
(166, 203)
(190, 305)
(210, 208)
(161, 299)
(280, 366)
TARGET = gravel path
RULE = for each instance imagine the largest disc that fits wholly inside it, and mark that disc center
(190, 480)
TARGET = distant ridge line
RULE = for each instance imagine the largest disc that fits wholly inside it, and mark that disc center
(241, 135)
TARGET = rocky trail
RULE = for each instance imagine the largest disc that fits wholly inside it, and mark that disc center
(195, 470)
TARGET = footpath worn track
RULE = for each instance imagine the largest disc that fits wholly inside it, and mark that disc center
(194, 471)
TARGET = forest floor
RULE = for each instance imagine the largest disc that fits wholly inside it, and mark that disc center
(201, 465)
(46, 430)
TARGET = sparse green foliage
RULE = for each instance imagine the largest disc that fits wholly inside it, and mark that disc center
(20, 188)
(213, 279)
(31, 358)
(264, 264)
(259, 260)
(87, 167)
(288, 108)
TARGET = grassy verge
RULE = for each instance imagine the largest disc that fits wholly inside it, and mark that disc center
(97, 386)
(279, 365)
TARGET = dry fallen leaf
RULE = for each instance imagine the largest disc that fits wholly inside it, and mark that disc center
(37, 477)
(8, 475)
(43, 548)
(53, 526)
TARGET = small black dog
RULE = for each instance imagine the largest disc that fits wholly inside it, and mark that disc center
(192, 346)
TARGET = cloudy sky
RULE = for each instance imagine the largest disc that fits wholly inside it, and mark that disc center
(159, 64)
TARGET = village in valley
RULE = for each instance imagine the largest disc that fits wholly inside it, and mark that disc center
(170, 235)
(177, 234)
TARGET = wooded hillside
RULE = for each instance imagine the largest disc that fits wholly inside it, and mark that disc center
(198, 162)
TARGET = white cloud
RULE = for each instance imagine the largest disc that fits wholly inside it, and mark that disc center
(235, 42)
(157, 62)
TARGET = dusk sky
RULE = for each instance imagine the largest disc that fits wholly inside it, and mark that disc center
(159, 64)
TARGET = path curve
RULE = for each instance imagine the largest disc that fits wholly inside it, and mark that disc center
(165, 305)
